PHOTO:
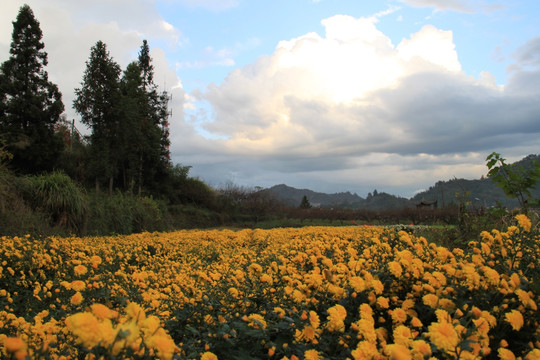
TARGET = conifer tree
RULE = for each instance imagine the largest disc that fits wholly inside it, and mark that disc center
(30, 105)
(98, 102)
(155, 163)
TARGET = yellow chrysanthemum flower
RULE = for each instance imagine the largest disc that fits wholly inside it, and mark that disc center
(80, 270)
(77, 298)
(78, 285)
(395, 268)
(399, 316)
(515, 319)
(103, 312)
(444, 336)
(533, 355)
(430, 300)
(314, 319)
(312, 355)
(14, 344)
(524, 222)
(209, 356)
(85, 327)
(402, 335)
(505, 354)
(398, 352)
(163, 344)
(420, 349)
(257, 321)
(336, 318)
(365, 350)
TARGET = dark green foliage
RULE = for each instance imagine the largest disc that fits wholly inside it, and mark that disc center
(515, 180)
(145, 135)
(98, 103)
(154, 135)
(62, 199)
(182, 189)
(30, 105)
(124, 214)
(128, 118)
(304, 204)
(16, 216)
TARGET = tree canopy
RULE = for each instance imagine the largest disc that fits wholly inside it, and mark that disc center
(128, 119)
(30, 105)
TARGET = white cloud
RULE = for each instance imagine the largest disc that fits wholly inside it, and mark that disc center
(351, 107)
(465, 6)
(313, 77)
(456, 5)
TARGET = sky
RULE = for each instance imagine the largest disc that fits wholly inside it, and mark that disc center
(328, 95)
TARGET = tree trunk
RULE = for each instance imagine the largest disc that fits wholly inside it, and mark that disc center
(140, 174)
(111, 179)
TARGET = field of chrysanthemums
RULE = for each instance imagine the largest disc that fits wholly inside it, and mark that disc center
(309, 293)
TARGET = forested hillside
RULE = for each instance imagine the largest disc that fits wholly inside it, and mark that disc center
(482, 192)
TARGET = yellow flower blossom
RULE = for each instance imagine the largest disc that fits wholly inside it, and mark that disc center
(416, 322)
(80, 270)
(365, 350)
(163, 344)
(402, 335)
(314, 319)
(78, 285)
(534, 354)
(524, 222)
(383, 302)
(515, 319)
(399, 316)
(209, 356)
(420, 349)
(505, 354)
(430, 300)
(257, 321)
(77, 298)
(103, 312)
(336, 318)
(14, 344)
(398, 352)
(395, 268)
(444, 336)
(308, 334)
(85, 327)
(312, 355)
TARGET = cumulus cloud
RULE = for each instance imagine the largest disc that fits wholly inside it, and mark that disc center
(329, 107)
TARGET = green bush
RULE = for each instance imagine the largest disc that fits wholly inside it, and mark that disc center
(124, 213)
(16, 216)
(63, 200)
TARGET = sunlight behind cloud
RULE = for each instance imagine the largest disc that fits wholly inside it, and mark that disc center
(320, 83)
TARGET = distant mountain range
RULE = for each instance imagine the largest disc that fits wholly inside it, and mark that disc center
(481, 192)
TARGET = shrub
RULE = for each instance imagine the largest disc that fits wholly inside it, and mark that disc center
(61, 199)
(124, 213)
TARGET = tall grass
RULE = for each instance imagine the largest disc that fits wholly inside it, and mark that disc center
(123, 213)
(62, 199)
(16, 216)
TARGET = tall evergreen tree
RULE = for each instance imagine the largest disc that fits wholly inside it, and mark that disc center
(98, 102)
(133, 120)
(155, 163)
(30, 105)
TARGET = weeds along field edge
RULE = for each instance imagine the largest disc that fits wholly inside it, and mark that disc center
(295, 293)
